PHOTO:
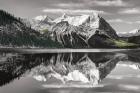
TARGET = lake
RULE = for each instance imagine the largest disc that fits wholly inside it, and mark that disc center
(70, 71)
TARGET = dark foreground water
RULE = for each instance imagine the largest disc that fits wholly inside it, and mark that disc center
(70, 72)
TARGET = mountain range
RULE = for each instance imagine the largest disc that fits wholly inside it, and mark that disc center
(82, 31)
(131, 36)
(67, 31)
(135, 32)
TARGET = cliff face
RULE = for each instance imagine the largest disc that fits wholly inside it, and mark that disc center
(41, 22)
(68, 35)
(79, 31)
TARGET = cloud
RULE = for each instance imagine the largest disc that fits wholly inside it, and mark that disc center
(129, 11)
(129, 87)
(115, 20)
(119, 21)
(138, 22)
(115, 77)
(71, 11)
(116, 3)
(69, 4)
(123, 21)
(123, 76)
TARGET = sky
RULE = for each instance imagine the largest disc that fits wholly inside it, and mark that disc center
(123, 15)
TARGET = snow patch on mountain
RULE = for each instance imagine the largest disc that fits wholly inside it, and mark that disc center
(40, 17)
(90, 20)
(41, 22)
(134, 32)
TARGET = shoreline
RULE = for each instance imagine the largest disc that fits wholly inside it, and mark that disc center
(40, 50)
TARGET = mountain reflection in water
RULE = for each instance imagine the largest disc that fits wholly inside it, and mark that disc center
(58, 70)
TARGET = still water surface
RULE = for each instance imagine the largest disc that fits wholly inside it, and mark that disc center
(71, 72)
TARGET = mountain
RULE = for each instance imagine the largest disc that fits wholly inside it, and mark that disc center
(41, 22)
(135, 38)
(85, 31)
(92, 21)
(132, 36)
(135, 32)
(15, 33)
(68, 35)
(79, 31)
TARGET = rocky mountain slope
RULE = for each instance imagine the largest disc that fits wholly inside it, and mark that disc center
(41, 22)
(92, 21)
(15, 33)
(79, 31)
(85, 31)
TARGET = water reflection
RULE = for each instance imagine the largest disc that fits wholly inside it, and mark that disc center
(12, 66)
(59, 69)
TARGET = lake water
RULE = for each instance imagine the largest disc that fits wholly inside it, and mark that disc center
(70, 72)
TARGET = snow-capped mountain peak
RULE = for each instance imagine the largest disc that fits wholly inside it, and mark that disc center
(130, 32)
(134, 32)
(90, 20)
(42, 18)
(41, 22)
(64, 15)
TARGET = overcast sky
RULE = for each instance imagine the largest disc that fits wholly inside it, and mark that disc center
(123, 15)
